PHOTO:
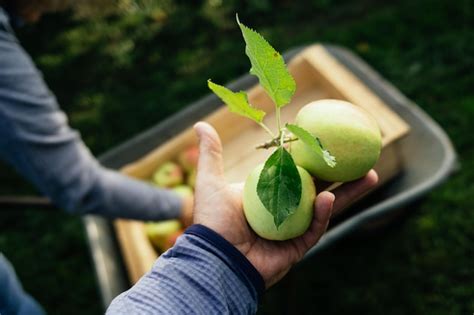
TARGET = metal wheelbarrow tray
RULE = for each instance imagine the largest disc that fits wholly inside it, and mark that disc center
(427, 154)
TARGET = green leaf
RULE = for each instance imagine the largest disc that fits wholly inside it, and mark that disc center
(268, 65)
(313, 143)
(237, 102)
(279, 186)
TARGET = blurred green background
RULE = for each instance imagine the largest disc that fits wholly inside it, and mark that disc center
(118, 75)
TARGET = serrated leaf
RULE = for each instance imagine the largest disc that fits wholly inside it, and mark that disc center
(268, 65)
(313, 143)
(237, 102)
(279, 186)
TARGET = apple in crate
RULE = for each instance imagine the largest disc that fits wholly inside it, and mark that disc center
(159, 232)
(191, 180)
(188, 158)
(183, 191)
(349, 133)
(168, 175)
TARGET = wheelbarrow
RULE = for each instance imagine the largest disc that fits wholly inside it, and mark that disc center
(419, 175)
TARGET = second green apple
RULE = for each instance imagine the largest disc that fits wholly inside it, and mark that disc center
(346, 131)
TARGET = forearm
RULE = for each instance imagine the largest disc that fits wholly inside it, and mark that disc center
(61, 167)
(201, 274)
(37, 140)
(115, 195)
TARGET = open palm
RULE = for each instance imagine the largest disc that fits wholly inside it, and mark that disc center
(218, 206)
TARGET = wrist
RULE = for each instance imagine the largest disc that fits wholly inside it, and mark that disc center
(241, 264)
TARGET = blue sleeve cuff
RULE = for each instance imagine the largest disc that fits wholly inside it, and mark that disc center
(240, 262)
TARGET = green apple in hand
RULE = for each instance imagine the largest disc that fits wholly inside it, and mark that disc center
(262, 221)
(346, 131)
(332, 140)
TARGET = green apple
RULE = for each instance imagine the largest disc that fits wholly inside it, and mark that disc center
(261, 220)
(168, 175)
(349, 133)
(158, 232)
(183, 190)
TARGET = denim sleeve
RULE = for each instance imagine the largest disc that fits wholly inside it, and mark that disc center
(37, 140)
(13, 299)
(201, 274)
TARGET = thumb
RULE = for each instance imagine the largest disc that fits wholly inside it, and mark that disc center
(210, 162)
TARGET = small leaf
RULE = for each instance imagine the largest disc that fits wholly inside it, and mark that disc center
(268, 65)
(237, 102)
(312, 142)
(279, 186)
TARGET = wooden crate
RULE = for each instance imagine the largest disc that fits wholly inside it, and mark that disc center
(318, 75)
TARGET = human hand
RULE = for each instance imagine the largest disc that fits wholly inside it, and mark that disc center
(218, 206)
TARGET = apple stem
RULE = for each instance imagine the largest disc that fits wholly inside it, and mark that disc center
(282, 136)
(274, 143)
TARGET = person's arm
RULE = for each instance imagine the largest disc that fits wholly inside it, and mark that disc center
(37, 140)
(220, 266)
(202, 274)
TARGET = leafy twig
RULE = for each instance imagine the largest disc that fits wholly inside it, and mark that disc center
(275, 142)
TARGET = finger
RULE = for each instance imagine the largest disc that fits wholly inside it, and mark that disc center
(349, 192)
(210, 162)
(323, 206)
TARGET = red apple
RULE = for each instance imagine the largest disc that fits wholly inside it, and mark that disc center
(159, 232)
(188, 159)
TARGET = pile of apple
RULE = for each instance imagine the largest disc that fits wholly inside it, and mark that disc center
(180, 177)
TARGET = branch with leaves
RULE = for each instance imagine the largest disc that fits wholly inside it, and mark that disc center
(279, 186)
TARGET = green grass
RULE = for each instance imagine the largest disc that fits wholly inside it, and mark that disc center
(117, 77)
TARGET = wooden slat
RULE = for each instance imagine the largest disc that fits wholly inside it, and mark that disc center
(137, 251)
(348, 87)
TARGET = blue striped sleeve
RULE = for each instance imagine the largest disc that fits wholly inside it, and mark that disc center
(36, 139)
(202, 274)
